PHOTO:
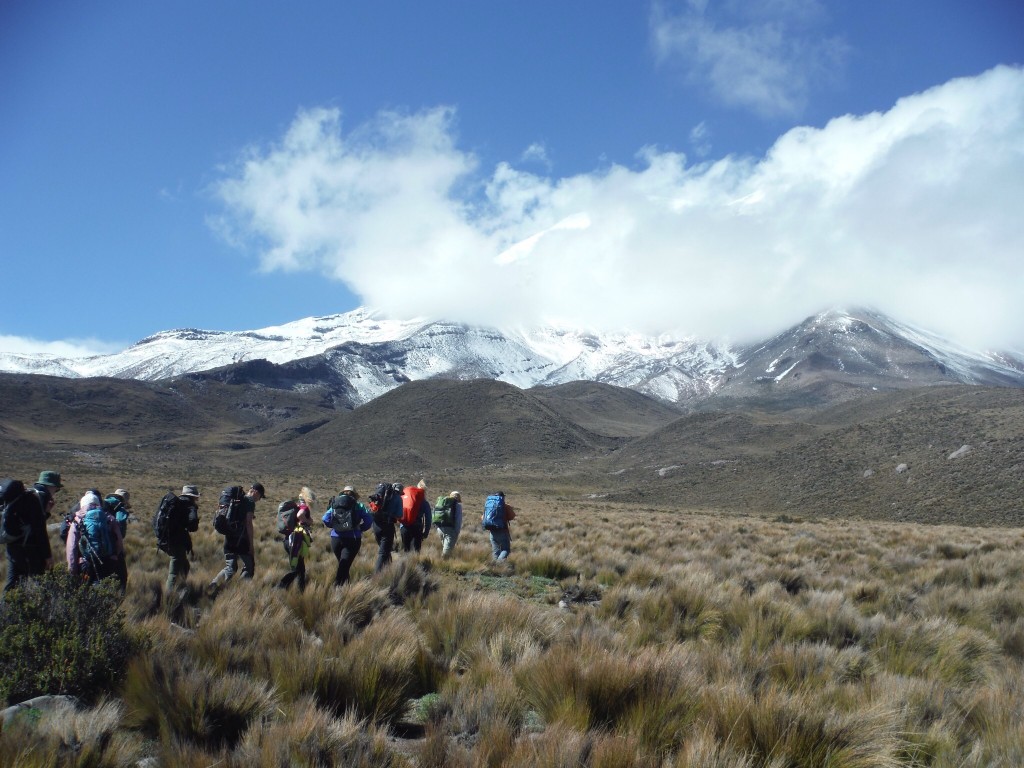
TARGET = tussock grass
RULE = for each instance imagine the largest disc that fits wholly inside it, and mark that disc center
(374, 675)
(308, 735)
(170, 701)
(86, 737)
(698, 639)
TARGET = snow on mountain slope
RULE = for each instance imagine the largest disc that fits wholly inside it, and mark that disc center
(863, 347)
(366, 356)
(172, 353)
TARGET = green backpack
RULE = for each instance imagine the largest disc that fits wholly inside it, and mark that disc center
(444, 511)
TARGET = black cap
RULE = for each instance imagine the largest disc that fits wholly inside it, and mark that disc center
(259, 487)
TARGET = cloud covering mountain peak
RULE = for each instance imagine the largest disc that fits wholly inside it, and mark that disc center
(914, 210)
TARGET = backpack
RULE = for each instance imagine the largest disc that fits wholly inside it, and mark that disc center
(14, 529)
(94, 539)
(68, 521)
(165, 520)
(115, 506)
(494, 512)
(287, 516)
(386, 503)
(230, 517)
(412, 501)
(344, 513)
(444, 511)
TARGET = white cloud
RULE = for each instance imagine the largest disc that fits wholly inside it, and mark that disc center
(23, 345)
(536, 153)
(765, 57)
(915, 211)
(700, 139)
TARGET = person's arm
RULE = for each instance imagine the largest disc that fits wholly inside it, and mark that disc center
(426, 515)
(71, 549)
(248, 531)
(366, 523)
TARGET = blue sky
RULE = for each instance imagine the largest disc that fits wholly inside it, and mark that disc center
(712, 168)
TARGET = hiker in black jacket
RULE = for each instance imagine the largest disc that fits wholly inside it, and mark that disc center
(27, 513)
(240, 547)
(183, 522)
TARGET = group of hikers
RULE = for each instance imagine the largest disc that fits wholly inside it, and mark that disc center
(94, 529)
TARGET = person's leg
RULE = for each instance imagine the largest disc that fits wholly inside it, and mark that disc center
(248, 563)
(301, 570)
(406, 535)
(288, 578)
(121, 571)
(345, 549)
(230, 566)
(501, 544)
(417, 541)
(17, 571)
(177, 571)
(385, 542)
(444, 533)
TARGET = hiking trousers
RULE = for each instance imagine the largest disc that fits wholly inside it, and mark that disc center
(501, 544)
(449, 535)
(18, 570)
(233, 553)
(385, 544)
(412, 539)
(298, 572)
(345, 548)
(178, 570)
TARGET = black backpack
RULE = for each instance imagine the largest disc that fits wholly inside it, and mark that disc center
(387, 504)
(344, 513)
(14, 528)
(230, 517)
(287, 516)
(166, 520)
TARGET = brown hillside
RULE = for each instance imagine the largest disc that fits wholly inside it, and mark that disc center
(846, 463)
(440, 424)
(605, 409)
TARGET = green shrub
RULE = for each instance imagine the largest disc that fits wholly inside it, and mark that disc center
(59, 637)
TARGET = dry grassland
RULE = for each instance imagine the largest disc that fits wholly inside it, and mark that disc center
(615, 636)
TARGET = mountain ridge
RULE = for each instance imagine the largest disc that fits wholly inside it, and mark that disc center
(355, 357)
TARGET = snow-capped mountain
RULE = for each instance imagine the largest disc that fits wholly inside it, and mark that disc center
(866, 348)
(360, 356)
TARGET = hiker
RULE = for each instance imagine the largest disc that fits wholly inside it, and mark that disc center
(298, 541)
(386, 510)
(177, 517)
(347, 518)
(447, 519)
(24, 530)
(94, 541)
(239, 543)
(119, 505)
(416, 517)
(497, 515)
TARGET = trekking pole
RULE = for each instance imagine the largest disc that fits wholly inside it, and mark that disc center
(91, 555)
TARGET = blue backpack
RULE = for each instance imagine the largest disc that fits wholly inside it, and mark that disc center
(95, 539)
(494, 512)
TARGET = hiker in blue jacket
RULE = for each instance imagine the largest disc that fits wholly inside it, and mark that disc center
(496, 517)
(345, 543)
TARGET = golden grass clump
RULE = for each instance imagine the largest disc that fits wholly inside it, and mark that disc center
(615, 635)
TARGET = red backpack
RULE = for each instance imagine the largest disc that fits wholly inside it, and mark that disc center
(412, 502)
